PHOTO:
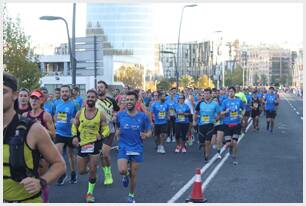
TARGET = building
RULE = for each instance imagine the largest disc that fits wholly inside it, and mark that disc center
(297, 68)
(127, 27)
(193, 60)
(95, 59)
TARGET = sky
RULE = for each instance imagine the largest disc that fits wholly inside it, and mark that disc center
(275, 23)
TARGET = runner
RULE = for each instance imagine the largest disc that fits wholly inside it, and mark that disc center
(182, 112)
(107, 106)
(171, 122)
(21, 181)
(160, 112)
(214, 97)
(66, 110)
(92, 127)
(205, 114)
(232, 108)
(75, 95)
(22, 103)
(133, 128)
(256, 108)
(48, 105)
(248, 110)
(57, 96)
(45, 119)
(271, 101)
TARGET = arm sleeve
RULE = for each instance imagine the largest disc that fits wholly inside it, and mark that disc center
(198, 107)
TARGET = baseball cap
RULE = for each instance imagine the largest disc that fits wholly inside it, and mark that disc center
(37, 94)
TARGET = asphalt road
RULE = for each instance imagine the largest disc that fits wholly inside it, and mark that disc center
(270, 170)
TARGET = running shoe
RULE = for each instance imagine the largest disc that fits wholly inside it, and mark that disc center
(89, 198)
(173, 139)
(131, 199)
(61, 181)
(162, 149)
(235, 162)
(158, 148)
(219, 156)
(183, 150)
(168, 139)
(177, 149)
(73, 178)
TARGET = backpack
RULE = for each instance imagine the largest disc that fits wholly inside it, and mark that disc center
(17, 164)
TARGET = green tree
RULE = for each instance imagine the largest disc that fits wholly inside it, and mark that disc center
(163, 84)
(233, 77)
(18, 57)
(186, 81)
(130, 75)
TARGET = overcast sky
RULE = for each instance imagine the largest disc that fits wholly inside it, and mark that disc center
(250, 22)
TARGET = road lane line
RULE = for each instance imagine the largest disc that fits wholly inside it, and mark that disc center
(218, 167)
(203, 169)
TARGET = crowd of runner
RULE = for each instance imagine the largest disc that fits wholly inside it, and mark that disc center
(87, 129)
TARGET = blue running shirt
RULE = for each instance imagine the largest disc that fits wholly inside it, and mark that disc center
(171, 106)
(160, 111)
(270, 100)
(235, 107)
(49, 107)
(179, 109)
(130, 128)
(207, 112)
(65, 112)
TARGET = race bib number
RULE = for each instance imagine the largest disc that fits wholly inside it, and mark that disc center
(132, 153)
(162, 115)
(205, 118)
(89, 148)
(62, 117)
(181, 117)
(172, 112)
(234, 114)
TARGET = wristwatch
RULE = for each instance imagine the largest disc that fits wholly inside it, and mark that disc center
(43, 182)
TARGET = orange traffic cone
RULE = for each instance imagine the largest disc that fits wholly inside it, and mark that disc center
(197, 196)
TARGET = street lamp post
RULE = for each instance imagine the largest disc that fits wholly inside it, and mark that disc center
(179, 35)
(175, 65)
(72, 58)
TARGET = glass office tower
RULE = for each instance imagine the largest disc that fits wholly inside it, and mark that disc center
(126, 27)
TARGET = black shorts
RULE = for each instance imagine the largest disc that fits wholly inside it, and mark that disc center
(219, 128)
(97, 149)
(206, 132)
(160, 129)
(66, 140)
(109, 140)
(181, 130)
(270, 114)
(247, 113)
(190, 116)
(232, 132)
(255, 113)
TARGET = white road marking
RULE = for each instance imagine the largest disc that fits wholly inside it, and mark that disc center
(203, 169)
(218, 167)
(297, 113)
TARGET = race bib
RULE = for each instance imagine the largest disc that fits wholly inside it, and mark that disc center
(62, 117)
(234, 114)
(132, 153)
(181, 117)
(89, 148)
(172, 112)
(205, 118)
(162, 115)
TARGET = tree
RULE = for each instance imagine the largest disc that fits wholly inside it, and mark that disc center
(186, 81)
(204, 82)
(233, 77)
(256, 79)
(130, 75)
(163, 84)
(18, 57)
